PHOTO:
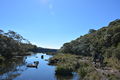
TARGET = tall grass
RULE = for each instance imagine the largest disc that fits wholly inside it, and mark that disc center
(67, 63)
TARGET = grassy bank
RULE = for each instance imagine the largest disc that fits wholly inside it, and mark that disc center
(67, 63)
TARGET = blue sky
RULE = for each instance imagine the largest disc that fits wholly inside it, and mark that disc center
(51, 23)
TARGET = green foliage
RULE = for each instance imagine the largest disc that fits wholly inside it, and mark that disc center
(113, 77)
(92, 31)
(2, 59)
(64, 71)
(68, 63)
(12, 44)
(105, 40)
(82, 72)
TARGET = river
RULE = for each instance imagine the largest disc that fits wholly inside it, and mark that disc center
(16, 69)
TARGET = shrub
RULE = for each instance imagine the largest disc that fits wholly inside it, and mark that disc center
(61, 70)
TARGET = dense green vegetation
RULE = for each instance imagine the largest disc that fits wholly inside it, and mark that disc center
(12, 44)
(105, 40)
(66, 64)
(77, 55)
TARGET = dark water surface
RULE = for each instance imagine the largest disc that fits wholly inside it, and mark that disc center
(16, 69)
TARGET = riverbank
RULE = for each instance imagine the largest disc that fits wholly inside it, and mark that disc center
(16, 69)
(67, 63)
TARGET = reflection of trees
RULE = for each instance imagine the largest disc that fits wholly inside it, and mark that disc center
(74, 76)
(12, 68)
(60, 77)
(42, 56)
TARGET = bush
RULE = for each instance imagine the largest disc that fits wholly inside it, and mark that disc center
(61, 70)
(82, 72)
(104, 40)
(117, 53)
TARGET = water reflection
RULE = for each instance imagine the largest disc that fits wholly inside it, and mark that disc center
(42, 56)
(11, 68)
(61, 77)
(16, 69)
(73, 76)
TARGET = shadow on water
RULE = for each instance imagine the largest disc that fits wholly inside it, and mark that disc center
(60, 77)
(74, 76)
(16, 69)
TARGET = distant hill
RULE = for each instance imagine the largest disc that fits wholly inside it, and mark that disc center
(44, 50)
(105, 40)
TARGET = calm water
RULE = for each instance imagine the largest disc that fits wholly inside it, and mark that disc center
(15, 69)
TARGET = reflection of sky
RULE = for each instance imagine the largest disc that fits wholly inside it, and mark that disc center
(43, 72)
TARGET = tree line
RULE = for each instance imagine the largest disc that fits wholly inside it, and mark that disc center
(12, 43)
